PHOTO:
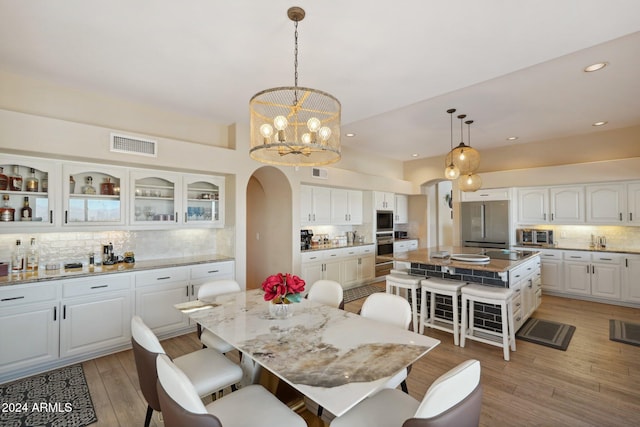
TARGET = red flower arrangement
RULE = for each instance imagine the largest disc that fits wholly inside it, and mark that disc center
(283, 288)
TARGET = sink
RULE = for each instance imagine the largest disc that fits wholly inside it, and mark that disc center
(471, 258)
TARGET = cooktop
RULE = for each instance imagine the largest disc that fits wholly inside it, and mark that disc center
(508, 255)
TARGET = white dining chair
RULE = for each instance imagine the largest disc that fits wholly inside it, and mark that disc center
(327, 292)
(207, 370)
(454, 399)
(211, 290)
(252, 405)
(394, 310)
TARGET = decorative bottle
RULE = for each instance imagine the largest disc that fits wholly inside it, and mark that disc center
(15, 181)
(26, 212)
(32, 182)
(4, 180)
(33, 256)
(89, 188)
(17, 259)
(7, 213)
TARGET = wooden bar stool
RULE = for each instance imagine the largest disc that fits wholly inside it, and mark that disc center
(501, 297)
(446, 287)
(395, 282)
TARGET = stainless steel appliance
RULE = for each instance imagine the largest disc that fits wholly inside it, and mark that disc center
(533, 237)
(305, 239)
(485, 224)
(384, 246)
(384, 221)
(401, 234)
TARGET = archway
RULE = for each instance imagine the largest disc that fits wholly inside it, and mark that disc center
(269, 225)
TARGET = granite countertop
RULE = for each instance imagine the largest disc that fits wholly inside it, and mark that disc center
(72, 273)
(581, 248)
(425, 256)
(332, 246)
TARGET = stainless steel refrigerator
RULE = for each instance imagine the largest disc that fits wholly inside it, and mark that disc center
(485, 224)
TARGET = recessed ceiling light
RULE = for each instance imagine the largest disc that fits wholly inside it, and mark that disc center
(595, 67)
(350, 135)
(414, 155)
(599, 123)
(512, 138)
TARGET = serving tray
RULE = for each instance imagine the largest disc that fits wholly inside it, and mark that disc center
(474, 258)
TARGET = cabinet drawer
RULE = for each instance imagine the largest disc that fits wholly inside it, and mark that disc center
(577, 256)
(94, 285)
(367, 250)
(213, 270)
(162, 275)
(605, 258)
(24, 294)
(312, 256)
(550, 255)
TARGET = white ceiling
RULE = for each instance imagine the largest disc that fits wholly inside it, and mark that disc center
(514, 67)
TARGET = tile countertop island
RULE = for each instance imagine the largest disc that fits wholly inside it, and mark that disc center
(62, 273)
(495, 272)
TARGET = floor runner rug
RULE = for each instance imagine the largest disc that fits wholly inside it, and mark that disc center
(545, 332)
(57, 398)
(625, 332)
(361, 292)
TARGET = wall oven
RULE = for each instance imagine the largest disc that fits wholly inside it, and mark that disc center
(384, 247)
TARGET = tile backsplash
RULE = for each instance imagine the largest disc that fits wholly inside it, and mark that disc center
(146, 244)
(579, 236)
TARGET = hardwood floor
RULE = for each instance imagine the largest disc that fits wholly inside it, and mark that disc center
(596, 382)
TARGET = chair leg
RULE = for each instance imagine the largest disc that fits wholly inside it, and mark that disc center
(414, 308)
(463, 321)
(403, 386)
(423, 309)
(456, 326)
(147, 419)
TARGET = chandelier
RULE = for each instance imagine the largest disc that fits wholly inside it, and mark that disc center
(295, 126)
(463, 161)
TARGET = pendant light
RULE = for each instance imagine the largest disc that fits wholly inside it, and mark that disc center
(451, 171)
(470, 181)
(467, 159)
(295, 126)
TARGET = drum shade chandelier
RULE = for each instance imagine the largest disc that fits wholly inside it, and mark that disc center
(463, 161)
(295, 126)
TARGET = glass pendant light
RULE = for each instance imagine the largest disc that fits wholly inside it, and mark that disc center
(466, 158)
(471, 181)
(451, 171)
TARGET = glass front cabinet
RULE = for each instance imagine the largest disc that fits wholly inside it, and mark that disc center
(203, 198)
(155, 198)
(92, 195)
(28, 201)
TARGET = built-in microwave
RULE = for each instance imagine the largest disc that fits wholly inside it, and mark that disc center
(384, 221)
(530, 236)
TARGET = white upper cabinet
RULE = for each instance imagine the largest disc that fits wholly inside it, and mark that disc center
(533, 205)
(486, 194)
(92, 194)
(203, 200)
(633, 203)
(26, 180)
(346, 207)
(315, 205)
(606, 204)
(566, 205)
(155, 198)
(401, 211)
(384, 201)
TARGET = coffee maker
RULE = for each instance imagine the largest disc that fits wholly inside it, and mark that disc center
(305, 239)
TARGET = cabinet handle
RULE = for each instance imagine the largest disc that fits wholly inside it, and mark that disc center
(176, 217)
(55, 313)
(588, 269)
(213, 271)
(11, 299)
(630, 216)
(185, 217)
(574, 256)
(605, 259)
(309, 217)
(620, 216)
(551, 217)
(99, 286)
(187, 289)
(51, 217)
(163, 278)
(193, 290)
(66, 216)
(593, 270)
(64, 312)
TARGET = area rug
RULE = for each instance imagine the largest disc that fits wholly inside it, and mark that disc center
(625, 332)
(57, 398)
(361, 292)
(545, 332)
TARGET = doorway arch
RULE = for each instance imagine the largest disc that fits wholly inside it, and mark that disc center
(269, 225)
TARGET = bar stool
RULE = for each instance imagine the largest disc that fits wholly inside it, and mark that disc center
(501, 297)
(395, 282)
(436, 286)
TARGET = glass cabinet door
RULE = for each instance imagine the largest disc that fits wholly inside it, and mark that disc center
(154, 198)
(26, 199)
(204, 200)
(93, 195)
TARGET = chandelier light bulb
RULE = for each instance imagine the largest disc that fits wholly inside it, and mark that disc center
(280, 122)
(306, 138)
(313, 124)
(325, 133)
(452, 172)
(461, 157)
(266, 130)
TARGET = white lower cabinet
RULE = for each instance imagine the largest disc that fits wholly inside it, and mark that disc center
(347, 266)
(594, 274)
(157, 291)
(631, 279)
(96, 314)
(551, 270)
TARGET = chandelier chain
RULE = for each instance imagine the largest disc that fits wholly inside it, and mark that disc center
(295, 64)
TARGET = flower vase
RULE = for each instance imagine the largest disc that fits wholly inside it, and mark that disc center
(279, 310)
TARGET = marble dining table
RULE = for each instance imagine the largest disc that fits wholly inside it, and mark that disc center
(333, 357)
